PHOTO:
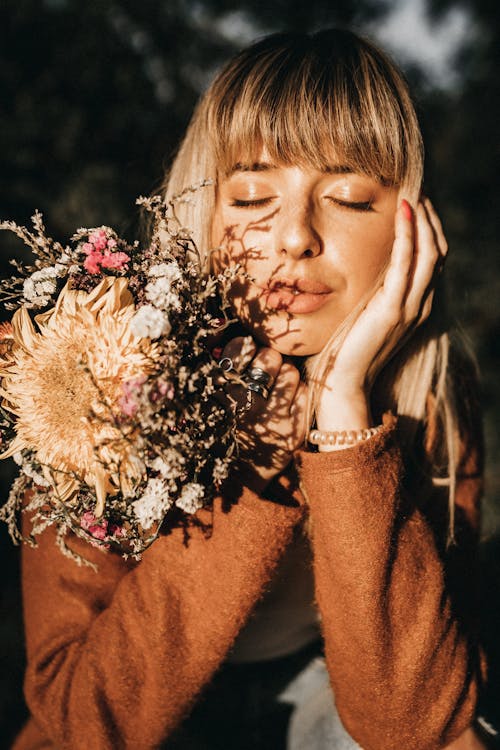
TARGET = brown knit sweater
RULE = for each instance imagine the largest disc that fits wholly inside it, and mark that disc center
(116, 659)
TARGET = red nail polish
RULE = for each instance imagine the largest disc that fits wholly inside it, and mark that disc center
(407, 210)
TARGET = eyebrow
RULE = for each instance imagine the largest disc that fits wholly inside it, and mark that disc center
(264, 166)
(338, 169)
(256, 166)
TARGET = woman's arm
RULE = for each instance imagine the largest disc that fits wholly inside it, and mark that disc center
(397, 607)
(117, 657)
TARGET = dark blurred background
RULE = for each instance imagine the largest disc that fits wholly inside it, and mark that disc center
(94, 98)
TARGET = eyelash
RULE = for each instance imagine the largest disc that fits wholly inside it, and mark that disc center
(350, 205)
(250, 204)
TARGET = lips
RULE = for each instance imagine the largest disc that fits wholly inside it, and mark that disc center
(296, 295)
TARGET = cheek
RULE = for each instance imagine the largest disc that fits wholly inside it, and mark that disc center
(378, 251)
(229, 241)
(216, 236)
(367, 253)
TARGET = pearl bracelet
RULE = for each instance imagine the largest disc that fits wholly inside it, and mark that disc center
(342, 437)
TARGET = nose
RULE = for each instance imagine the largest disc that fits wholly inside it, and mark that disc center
(297, 237)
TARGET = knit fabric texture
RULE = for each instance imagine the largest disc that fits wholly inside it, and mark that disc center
(116, 659)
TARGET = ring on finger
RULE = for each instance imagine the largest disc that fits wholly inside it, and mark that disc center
(258, 375)
(226, 365)
(258, 388)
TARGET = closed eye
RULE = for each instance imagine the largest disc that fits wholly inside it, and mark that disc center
(353, 205)
(255, 203)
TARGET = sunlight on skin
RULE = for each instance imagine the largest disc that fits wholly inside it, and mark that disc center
(312, 243)
(315, 246)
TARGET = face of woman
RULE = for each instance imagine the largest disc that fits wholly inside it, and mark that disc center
(311, 243)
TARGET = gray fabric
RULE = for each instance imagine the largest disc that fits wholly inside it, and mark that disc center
(314, 722)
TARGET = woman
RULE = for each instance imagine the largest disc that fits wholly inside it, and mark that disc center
(315, 155)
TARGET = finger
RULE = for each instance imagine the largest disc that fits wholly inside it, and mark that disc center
(427, 307)
(437, 227)
(425, 232)
(399, 270)
(286, 384)
(268, 360)
(288, 374)
(298, 412)
(240, 351)
(426, 258)
(300, 399)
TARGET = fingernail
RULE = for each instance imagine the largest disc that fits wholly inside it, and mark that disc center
(407, 210)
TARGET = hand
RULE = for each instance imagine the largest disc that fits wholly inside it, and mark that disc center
(403, 301)
(269, 430)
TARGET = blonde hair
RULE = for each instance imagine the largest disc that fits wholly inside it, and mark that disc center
(330, 97)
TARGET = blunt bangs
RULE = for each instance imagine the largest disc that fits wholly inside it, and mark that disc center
(324, 100)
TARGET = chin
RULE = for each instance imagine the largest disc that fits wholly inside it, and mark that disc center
(289, 335)
(289, 345)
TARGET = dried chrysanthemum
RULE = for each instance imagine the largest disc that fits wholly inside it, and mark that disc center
(6, 340)
(110, 398)
(64, 383)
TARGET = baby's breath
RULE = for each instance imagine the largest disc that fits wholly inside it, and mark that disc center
(113, 401)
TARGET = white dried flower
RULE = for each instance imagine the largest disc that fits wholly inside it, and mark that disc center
(155, 441)
(191, 497)
(40, 286)
(148, 322)
(29, 470)
(159, 293)
(169, 464)
(220, 471)
(153, 504)
(170, 271)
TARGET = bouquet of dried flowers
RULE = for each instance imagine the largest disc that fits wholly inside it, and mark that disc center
(111, 400)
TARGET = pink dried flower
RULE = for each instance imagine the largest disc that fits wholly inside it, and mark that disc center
(100, 530)
(162, 428)
(166, 389)
(99, 239)
(128, 406)
(92, 262)
(99, 251)
(117, 261)
(162, 388)
(131, 389)
(89, 523)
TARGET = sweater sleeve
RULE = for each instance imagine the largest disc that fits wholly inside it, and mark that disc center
(396, 602)
(117, 657)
